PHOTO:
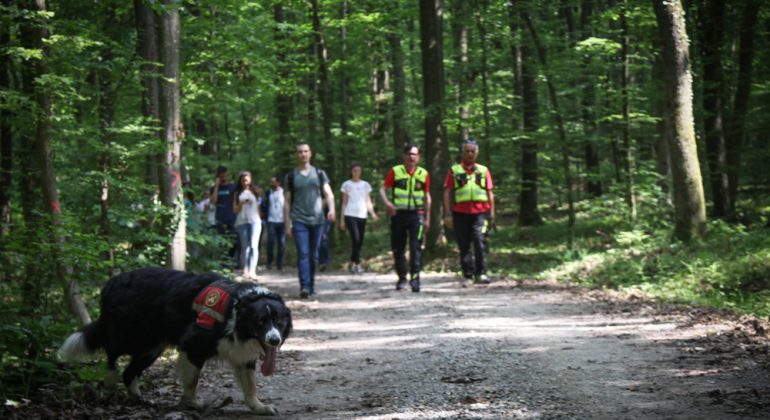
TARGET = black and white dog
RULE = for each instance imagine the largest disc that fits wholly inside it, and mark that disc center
(204, 316)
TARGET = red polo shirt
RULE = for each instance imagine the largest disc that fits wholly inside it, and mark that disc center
(472, 207)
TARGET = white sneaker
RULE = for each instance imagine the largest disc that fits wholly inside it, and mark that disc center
(467, 282)
(359, 269)
(483, 279)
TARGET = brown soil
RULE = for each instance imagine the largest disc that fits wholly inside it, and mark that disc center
(362, 350)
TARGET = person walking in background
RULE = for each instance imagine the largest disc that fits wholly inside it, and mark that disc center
(356, 203)
(222, 199)
(272, 209)
(468, 193)
(306, 187)
(406, 194)
(323, 250)
(248, 224)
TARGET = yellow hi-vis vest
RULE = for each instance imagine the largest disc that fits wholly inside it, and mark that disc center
(470, 187)
(409, 190)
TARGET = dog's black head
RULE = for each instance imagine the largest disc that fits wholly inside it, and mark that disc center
(262, 315)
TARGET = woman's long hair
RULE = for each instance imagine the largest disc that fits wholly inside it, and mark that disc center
(239, 186)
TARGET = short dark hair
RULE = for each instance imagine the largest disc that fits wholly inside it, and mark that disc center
(355, 165)
(471, 142)
(409, 147)
(221, 170)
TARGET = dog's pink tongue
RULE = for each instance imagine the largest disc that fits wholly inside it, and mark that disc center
(268, 365)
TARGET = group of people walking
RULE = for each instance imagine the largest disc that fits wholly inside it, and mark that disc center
(305, 208)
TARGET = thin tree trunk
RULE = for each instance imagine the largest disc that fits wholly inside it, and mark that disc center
(628, 151)
(665, 134)
(593, 184)
(462, 76)
(171, 188)
(436, 146)
(344, 86)
(400, 134)
(282, 100)
(736, 123)
(147, 49)
(690, 208)
(6, 140)
(556, 114)
(525, 88)
(480, 25)
(712, 37)
(324, 90)
(33, 38)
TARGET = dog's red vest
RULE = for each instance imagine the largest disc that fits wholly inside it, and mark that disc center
(211, 304)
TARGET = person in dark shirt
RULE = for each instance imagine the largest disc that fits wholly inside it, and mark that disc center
(222, 199)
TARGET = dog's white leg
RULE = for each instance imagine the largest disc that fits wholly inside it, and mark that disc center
(247, 380)
(133, 388)
(189, 375)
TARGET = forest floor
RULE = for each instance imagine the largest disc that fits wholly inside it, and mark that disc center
(360, 349)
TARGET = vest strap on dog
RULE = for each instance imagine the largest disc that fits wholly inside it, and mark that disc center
(211, 304)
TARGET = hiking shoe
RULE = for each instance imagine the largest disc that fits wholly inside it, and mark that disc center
(359, 269)
(467, 282)
(352, 268)
(415, 284)
(483, 279)
(304, 293)
(400, 284)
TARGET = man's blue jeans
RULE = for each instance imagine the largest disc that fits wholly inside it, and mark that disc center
(276, 234)
(307, 238)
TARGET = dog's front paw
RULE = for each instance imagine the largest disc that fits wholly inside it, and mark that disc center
(190, 403)
(261, 409)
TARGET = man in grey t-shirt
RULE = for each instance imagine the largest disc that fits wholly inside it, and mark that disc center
(306, 187)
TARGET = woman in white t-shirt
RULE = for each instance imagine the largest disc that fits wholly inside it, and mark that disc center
(247, 223)
(356, 203)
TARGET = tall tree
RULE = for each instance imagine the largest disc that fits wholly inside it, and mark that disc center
(560, 129)
(6, 133)
(484, 70)
(400, 133)
(282, 99)
(525, 85)
(172, 134)
(34, 37)
(711, 21)
(147, 50)
(737, 120)
(690, 208)
(628, 150)
(461, 74)
(587, 104)
(436, 146)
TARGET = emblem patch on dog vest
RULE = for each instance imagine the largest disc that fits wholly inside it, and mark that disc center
(211, 304)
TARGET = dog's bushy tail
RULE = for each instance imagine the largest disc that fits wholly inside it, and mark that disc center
(81, 345)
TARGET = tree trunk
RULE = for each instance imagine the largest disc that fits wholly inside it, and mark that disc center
(557, 117)
(324, 90)
(462, 76)
(6, 140)
(344, 87)
(436, 147)
(400, 134)
(525, 87)
(712, 36)
(591, 151)
(628, 150)
(33, 37)
(690, 208)
(282, 100)
(736, 123)
(147, 49)
(171, 188)
(107, 104)
(480, 25)
(665, 134)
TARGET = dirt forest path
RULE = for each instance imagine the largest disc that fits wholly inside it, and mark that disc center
(362, 350)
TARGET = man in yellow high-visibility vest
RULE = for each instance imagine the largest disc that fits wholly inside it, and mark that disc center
(468, 193)
(406, 194)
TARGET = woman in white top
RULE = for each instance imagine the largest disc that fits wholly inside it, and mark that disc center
(247, 223)
(356, 203)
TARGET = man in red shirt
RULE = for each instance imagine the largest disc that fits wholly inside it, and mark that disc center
(468, 193)
(406, 194)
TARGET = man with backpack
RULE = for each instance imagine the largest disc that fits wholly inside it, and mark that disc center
(306, 188)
